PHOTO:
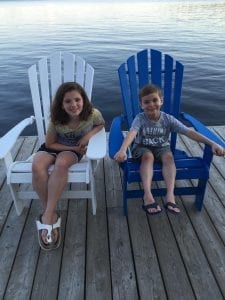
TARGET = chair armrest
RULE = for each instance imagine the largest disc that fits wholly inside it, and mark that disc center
(97, 145)
(9, 139)
(201, 128)
(115, 136)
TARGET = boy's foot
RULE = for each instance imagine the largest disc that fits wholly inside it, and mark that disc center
(172, 207)
(152, 208)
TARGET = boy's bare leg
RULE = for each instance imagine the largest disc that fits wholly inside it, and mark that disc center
(169, 174)
(146, 172)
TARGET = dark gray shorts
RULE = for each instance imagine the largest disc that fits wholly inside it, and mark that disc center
(139, 150)
(54, 152)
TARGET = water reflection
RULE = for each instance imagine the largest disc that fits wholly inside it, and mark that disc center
(106, 34)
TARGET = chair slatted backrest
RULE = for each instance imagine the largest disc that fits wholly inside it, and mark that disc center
(46, 76)
(151, 66)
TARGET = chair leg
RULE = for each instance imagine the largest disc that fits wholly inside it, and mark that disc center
(125, 209)
(200, 198)
(19, 205)
(93, 193)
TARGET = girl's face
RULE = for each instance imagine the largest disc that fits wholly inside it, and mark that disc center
(73, 103)
(151, 105)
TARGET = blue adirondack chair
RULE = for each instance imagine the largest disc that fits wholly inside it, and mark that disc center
(151, 66)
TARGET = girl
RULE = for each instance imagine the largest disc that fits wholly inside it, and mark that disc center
(73, 121)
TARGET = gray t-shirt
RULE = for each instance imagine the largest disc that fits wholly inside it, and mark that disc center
(157, 133)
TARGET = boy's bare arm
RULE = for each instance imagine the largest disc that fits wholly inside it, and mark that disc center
(216, 149)
(121, 155)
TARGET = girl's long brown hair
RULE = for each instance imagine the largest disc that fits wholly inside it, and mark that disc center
(58, 114)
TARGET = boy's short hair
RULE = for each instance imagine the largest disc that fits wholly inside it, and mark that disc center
(150, 89)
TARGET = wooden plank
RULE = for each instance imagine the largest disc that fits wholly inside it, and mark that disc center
(98, 279)
(9, 241)
(20, 287)
(170, 258)
(109, 256)
(218, 161)
(72, 275)
(25, 261)
(113, 183)
(149, 277)
(45, 284)
(193, 255)
(214, 198)
(209, 225)
(214, 250)
(12, 226)
(217, 168)
(99, 179)
(124, 285)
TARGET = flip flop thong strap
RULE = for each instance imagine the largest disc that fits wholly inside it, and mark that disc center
(174, 205)
(152, 205)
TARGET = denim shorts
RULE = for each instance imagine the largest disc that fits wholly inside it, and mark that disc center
(56, 152)
(139, 150)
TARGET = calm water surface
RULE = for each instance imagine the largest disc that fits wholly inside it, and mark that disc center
(105, 35)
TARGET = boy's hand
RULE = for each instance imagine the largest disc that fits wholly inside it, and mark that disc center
(120, 156)
(218, 150)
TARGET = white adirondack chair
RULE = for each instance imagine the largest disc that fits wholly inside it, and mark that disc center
(44, 78)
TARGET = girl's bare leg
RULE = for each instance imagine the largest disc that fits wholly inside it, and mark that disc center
(41, 163)
(56, 184)
(146, 172)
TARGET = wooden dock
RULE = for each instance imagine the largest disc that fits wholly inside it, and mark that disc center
(109, 256)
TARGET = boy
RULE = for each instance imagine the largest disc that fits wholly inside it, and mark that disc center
(150, 132)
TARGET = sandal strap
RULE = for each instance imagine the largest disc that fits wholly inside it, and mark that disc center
(151, 205)
(174, 205)
(57, 224)
(49, 228)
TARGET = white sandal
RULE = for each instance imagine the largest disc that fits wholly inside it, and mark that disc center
(50, 245)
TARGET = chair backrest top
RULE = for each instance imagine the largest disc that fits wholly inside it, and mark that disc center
(151, 66)
(47, 75)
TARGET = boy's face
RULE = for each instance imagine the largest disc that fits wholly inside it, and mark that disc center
(151, 105)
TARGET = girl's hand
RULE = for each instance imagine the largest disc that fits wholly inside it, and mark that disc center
(81, 149)
(83, 142)
(120, 156)
(218, 150)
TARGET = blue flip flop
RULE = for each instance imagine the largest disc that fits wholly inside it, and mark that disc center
(152, 205)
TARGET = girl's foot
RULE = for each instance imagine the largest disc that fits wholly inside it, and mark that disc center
(49, 219)
(49, 235)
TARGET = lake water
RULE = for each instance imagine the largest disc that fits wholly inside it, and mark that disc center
(106, 34)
